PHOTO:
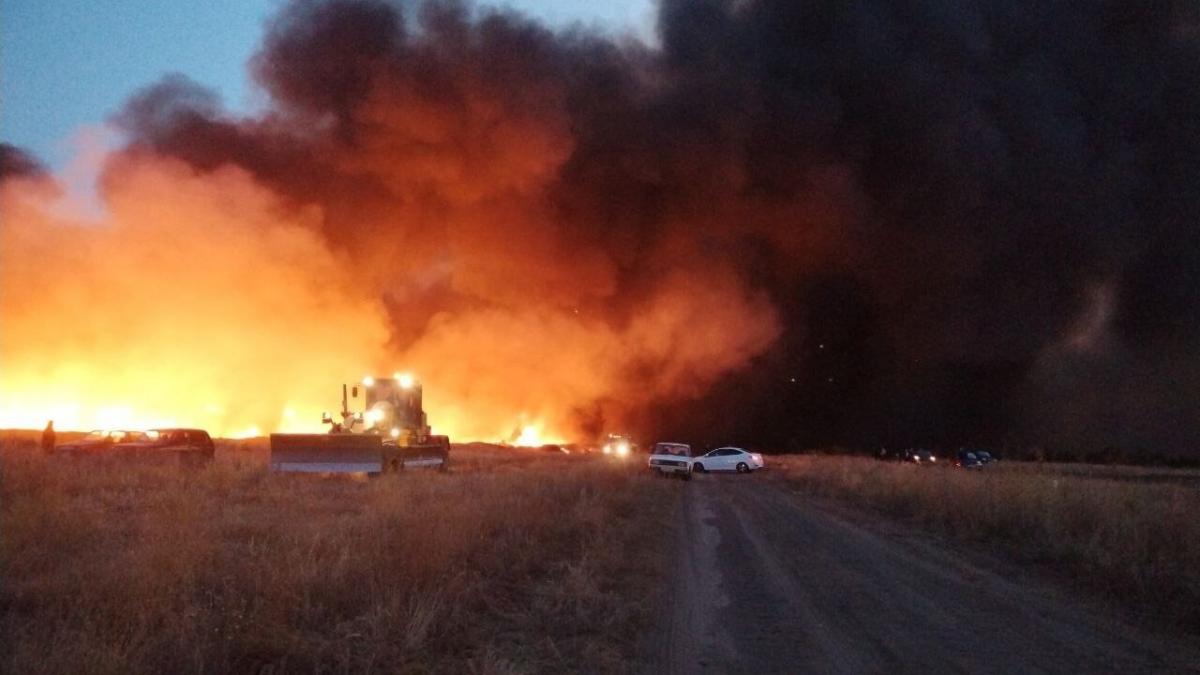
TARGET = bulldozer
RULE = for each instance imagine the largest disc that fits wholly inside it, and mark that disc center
(390, 434)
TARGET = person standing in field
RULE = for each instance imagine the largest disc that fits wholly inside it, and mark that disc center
(48, 438)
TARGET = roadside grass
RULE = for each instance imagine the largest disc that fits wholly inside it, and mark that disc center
(1138, 542)
(510, 562)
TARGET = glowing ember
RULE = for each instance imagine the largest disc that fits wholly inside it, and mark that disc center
(251, 432)
(535, 436)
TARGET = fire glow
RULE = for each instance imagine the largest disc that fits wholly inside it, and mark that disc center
(427, 230)
(201, 301)
(534, 436)
(191, 304)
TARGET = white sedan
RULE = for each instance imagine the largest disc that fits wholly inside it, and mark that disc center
(728, 459)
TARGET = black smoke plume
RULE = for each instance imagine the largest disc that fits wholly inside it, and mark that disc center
(942, 222)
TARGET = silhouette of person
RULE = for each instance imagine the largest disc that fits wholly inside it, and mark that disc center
(48, 438)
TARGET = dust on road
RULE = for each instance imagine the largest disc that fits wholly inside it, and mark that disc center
(767, 581)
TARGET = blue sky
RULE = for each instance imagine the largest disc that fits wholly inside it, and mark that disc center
(67, 65)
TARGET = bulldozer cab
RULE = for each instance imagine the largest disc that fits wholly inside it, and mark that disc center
(394, 408)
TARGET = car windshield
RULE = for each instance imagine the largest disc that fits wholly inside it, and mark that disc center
(96, 436)
(129, 437)
(675, 450)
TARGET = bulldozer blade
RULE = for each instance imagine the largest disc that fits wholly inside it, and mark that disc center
(326, 453)
(398, 458)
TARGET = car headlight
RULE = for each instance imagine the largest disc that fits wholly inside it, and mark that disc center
(623, 449)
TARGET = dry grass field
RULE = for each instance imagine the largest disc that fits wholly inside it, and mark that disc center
(513, 561)
(1128, 538)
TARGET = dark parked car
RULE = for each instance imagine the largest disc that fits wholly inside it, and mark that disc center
(922, 457)
(985, 457)
(967, 459)
(895, 455)
(190, 446)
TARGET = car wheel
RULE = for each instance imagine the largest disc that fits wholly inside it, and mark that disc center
(698, 468)
(742, 468)
(191, 460)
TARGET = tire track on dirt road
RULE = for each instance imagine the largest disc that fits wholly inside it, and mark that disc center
(765, 581)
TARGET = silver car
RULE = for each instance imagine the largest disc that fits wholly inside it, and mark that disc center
(671, 459)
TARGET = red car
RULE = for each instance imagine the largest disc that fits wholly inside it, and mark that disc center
(100, 441)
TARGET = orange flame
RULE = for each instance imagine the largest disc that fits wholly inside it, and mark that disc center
(197, 301)
(202, 299)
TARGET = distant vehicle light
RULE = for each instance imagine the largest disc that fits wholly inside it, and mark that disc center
(395, 433)
(607, 449)
(623, 449)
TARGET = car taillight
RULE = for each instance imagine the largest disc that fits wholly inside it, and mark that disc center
(757, 457)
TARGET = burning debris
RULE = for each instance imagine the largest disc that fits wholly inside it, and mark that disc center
(809, 222)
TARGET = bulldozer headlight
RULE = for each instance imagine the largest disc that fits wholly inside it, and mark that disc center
(368, 381)
(406, 380)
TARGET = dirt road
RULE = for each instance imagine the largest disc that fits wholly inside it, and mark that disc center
(766, 581)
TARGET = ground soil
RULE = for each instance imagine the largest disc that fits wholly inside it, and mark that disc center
(768, 581)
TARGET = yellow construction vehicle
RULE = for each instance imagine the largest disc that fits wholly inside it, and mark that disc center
(390, 434)
(618, 446)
